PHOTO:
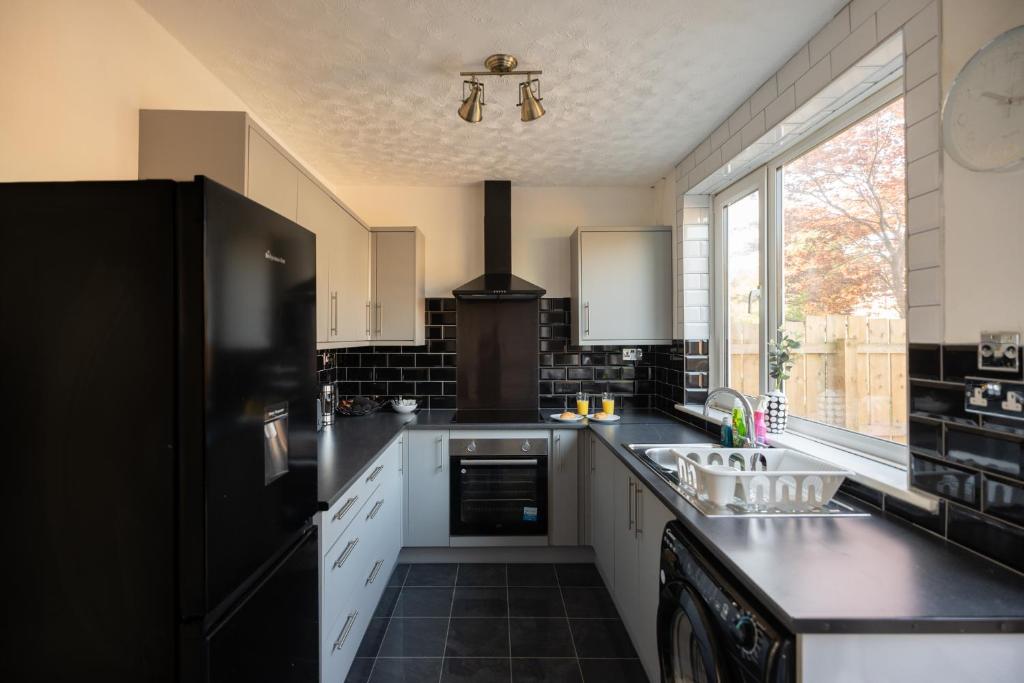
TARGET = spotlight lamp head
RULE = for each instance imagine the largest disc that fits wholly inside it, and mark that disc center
(529, 104)
(471, 109)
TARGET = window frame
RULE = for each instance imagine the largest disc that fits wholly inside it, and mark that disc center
(755, 181)
(772, 274)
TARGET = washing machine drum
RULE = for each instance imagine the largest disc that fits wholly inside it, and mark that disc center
(694, 656)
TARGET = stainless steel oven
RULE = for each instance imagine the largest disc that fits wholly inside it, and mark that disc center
(499, 487)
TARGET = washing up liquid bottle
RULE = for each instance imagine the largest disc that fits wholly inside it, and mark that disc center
(739, 426)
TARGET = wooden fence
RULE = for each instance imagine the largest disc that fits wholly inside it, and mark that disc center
(850, 372)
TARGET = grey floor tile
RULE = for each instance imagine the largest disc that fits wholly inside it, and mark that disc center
(601, 638)
(546, 671)
(431, 575)
(475, 670)
(386, 605)
(589, 602)
(578, 575)
(613, 671)
(372, 638)
(406, 671)
(540, 638)
(423, 602)
(359, 672)
(525, 601)
(482, 575)
(477, 638)
(398, 575)
(414, 638)
(480, 602)
(532, 575)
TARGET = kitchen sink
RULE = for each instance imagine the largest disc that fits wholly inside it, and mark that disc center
(688, 467)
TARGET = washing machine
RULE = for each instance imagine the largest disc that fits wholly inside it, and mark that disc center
(709, 629)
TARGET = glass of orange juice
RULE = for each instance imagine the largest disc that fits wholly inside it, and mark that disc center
(582, 404)
(608, 403)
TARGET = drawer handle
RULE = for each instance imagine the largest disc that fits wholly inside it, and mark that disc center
(376, 508)
(345, 631)
(345, 553)
(345, 508)
(376, 473)
(376, 570)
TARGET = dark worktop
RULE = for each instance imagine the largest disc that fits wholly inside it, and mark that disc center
(816, 575)
(839, 575)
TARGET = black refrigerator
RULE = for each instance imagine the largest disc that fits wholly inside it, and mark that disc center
(159, 446)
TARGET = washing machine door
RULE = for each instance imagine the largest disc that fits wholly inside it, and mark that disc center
(693, 655)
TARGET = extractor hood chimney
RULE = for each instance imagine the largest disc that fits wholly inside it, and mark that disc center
(498, 283)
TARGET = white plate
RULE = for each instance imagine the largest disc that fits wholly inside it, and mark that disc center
(611, 418)
(558, 417)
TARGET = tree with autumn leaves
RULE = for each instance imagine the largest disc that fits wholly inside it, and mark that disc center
(844, 211)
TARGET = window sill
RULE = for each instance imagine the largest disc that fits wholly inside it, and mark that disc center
(889, 479)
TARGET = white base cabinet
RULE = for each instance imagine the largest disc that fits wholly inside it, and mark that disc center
(360, 536)
(626, 524)
(563, 490)
(427, 484)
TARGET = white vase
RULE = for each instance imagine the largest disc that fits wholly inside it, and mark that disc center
(777, 413)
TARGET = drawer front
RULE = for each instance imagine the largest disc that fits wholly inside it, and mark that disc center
(336, 520)
(341, 640)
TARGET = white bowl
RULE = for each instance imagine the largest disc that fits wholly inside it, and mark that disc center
(405, 405)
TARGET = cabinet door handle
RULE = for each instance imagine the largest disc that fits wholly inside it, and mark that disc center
(334, 313)
(346, 553)
(376, 473)
(440, 453)
(629, 503)
(367, 319)
(586, 318)
(345, 631)
(373, 572)
(637, 498)
(376, 508)
(380, 318)
(558, 453)
(345, 508)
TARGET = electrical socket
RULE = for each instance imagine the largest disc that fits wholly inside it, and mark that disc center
(632, 354)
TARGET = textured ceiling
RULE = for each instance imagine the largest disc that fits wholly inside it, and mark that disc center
(367, 92)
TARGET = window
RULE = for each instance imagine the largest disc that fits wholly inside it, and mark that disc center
(833, 277)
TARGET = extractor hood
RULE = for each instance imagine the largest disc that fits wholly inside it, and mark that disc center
(498, 283)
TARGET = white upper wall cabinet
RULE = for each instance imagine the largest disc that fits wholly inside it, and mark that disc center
(622, 285)
(397, 307)
(370, 286)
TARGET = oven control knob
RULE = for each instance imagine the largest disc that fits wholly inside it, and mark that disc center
(525, 447)
(744, 632)
(471, 448)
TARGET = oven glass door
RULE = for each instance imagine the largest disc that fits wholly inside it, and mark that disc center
(499, 496)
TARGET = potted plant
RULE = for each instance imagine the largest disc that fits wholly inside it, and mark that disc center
(780, 362)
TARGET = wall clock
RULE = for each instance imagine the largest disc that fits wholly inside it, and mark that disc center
(983, 116)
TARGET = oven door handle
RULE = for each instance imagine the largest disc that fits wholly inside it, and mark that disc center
(499, 462)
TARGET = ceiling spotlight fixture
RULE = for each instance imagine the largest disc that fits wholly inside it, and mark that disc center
(471, 109)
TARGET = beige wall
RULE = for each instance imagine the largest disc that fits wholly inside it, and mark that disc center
(543, 218)
(984, 211)
(73, 76)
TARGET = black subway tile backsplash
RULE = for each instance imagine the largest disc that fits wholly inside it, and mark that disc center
(934, 522)
(924, 361)
(975, 461)
(988, 536)
(986, 451)
(945, 480)
(1004, 499)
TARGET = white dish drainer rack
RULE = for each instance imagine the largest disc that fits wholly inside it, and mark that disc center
(758, 478)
